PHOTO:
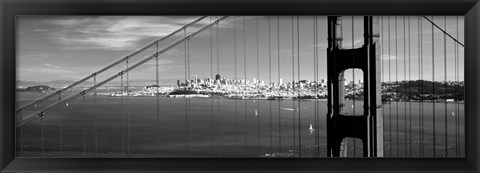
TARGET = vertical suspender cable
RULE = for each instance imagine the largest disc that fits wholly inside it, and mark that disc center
(458, 90)
(211, 100)
(95, 115)
(353, 85)
(279, 85)
(126, 112)
(419, 81)
(389, 82)
(445, 83)
(410, 88)
(236, 82)
(211, 50)
(218, 99)
(245, 78)
(457, 78)
(84, 127)
(433, 87)
(383, 79)
(189, 103)
(158, 100)
(293, 84)
(61, 125)
(315, 79)
(299, 106)
(421, 88)
(404, 86)
(270, 83)
(396, 80)
(186, 88)
(317, 128)
(258, 88)
(41, 135)
(121, 114)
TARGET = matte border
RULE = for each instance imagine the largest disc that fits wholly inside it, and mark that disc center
(10, 8)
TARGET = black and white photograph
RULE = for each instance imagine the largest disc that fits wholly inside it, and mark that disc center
(90, 86)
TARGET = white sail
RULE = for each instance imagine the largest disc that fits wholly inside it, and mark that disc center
(288, 109)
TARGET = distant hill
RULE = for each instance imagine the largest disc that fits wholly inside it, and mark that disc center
(38, 88)
(63, 83)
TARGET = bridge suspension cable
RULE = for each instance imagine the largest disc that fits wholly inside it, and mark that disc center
(116, 62)
(54, 105)
(444, 31)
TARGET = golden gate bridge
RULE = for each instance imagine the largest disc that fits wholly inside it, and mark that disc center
(371, 132)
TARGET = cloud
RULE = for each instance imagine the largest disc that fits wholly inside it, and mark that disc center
(110, 32)
(50, 65)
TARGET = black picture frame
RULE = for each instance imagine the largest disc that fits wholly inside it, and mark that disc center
(9, 9)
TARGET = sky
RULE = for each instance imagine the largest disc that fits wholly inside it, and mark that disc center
(73, 47)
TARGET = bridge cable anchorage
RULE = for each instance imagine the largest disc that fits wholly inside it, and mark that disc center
(299, 106)
(293, 82)
(116, 62)
(54, 105)
(433, 89)
(444, 31)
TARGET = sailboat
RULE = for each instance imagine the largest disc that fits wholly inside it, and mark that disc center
(288, 109)
(311, 129)
(256, 113)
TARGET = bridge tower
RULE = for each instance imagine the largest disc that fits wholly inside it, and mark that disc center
(367, 127)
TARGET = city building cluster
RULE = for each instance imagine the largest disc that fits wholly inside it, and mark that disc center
(249, 89)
